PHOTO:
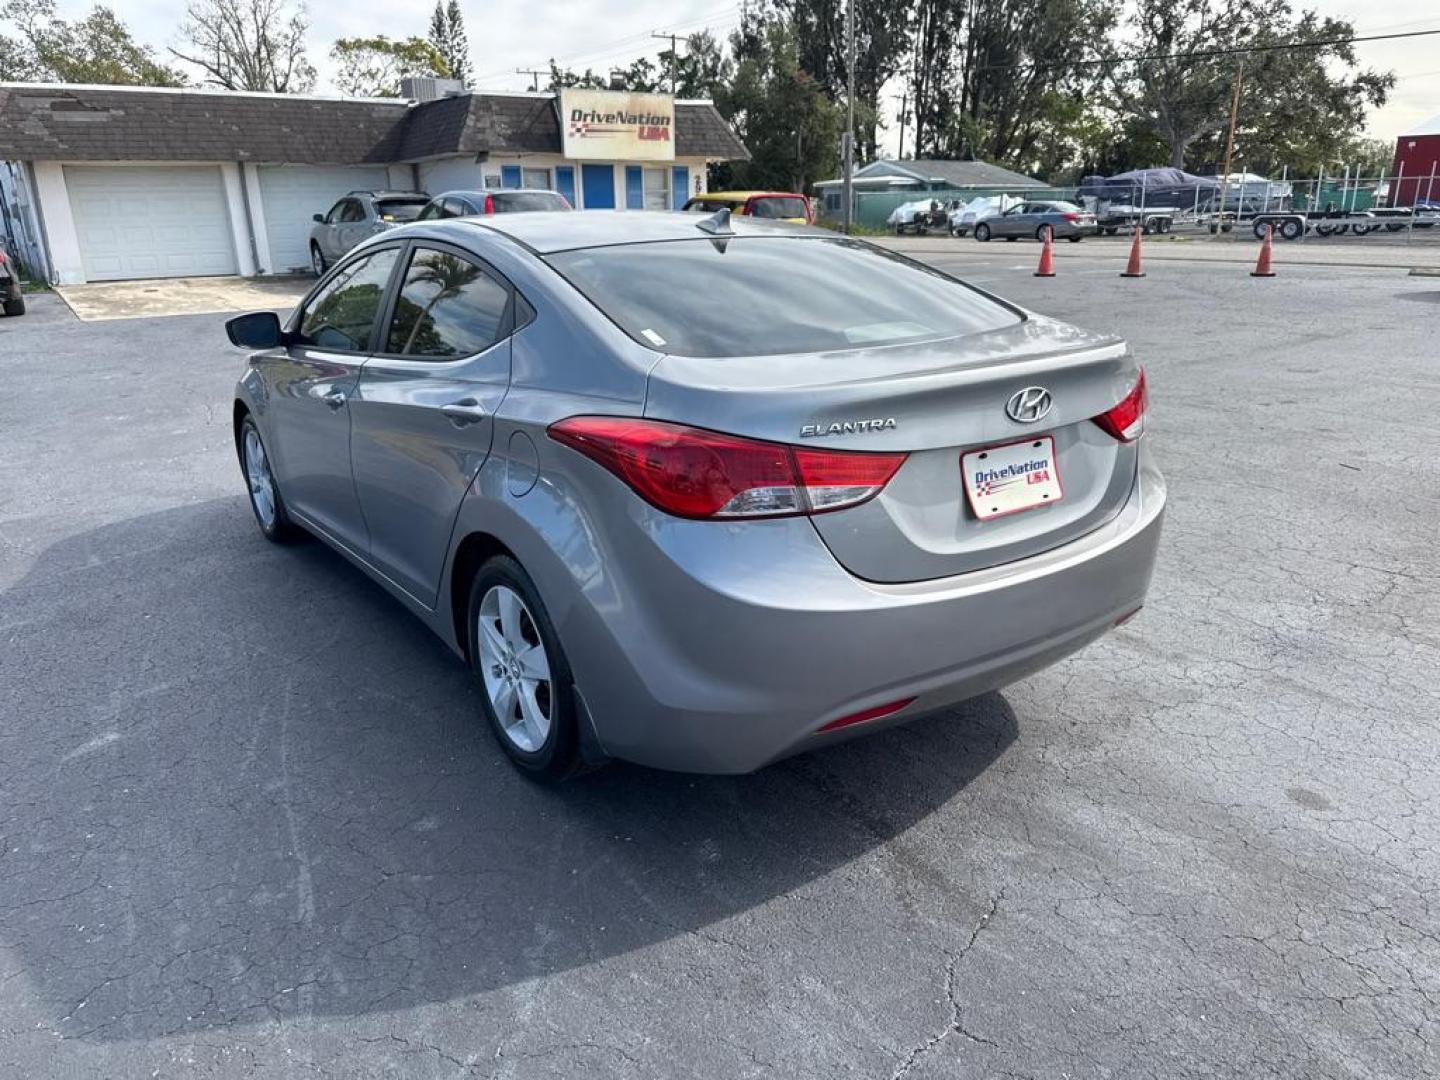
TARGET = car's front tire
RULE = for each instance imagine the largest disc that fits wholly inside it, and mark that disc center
(265, 501)
(317, 259)
(526, 687)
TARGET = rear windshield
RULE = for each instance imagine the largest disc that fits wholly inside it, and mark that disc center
(508, 202)
(761, 296)
(771, 207)
(400, 209)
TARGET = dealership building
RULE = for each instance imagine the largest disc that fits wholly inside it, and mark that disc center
(104, 183)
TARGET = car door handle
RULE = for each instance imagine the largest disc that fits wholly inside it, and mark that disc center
(335, 398)
(464, 411)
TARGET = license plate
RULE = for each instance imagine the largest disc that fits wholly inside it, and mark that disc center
(1007, 479)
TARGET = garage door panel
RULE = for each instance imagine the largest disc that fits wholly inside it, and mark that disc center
(293, 194)
(151, 221)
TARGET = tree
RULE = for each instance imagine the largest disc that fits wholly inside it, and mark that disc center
(248, 45)
(95, 49)
(373, 67)
(1297, 103)
(447, 35)
(882, 41)
(789, 122)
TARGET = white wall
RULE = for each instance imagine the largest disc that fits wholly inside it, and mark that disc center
(464, 174)
(58, 220)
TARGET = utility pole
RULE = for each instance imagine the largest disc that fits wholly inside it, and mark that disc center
(903, 117)
(674, 55)
(534, 74)
(848, 147)
(1230, 147)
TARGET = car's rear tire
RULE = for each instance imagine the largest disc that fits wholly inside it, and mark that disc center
(317, 260)
(526, 688)
(1074, 239)
(16, 306)
(982, 232)
(265, 500)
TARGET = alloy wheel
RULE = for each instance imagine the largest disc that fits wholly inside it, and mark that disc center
(515, 668)
(257, 475)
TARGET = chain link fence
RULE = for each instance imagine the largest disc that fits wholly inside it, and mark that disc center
(1392, 206)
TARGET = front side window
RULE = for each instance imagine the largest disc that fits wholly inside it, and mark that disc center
(447, 307)
(335, 211)
(772, 206)
(341, 315)
(761, 296)
(514, 202)
(352, 211)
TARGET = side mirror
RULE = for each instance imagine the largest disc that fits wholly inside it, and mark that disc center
(257, 330)
(318, 218)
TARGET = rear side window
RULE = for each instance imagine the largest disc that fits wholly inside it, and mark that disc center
(760, 296)
(399, 209)
(772, 207)
(448, 307)
(517, 201)
(352, 211)
(431, 211)
(341, 315)
(455, 208)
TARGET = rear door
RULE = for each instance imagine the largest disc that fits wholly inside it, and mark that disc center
(423, 413)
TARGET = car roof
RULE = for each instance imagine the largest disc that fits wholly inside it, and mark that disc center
(387, 194)
(750, 195)
(546, 231)
(478, 193)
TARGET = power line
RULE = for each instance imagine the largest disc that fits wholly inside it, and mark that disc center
(1206, 54)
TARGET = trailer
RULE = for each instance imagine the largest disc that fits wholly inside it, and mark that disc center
(1293, 224)
(1125, 218)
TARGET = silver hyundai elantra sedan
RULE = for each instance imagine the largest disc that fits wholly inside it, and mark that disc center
(702, 493)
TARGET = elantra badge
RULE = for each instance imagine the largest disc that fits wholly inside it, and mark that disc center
(847, 427)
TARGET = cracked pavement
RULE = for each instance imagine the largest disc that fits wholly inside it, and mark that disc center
(251, 824)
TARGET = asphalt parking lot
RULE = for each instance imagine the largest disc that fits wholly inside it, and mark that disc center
(251, 823)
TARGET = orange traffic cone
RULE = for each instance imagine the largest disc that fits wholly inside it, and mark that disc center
(1047, 256)
(1262, 264)
(1132, 268)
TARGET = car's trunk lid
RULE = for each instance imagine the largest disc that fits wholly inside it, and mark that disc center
(936, 401)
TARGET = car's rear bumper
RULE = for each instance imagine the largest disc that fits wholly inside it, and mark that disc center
(720, 648)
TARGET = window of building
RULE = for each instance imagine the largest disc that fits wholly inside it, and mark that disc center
(535, 178)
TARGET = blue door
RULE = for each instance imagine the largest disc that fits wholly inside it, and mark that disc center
(565, 182)
(634, 187)
(598, 184)
(510, 176)
(679, 186)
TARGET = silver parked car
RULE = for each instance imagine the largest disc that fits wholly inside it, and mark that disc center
(358, 216)
(1032, 218)
(702, 493)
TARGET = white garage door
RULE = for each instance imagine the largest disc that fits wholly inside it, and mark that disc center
(144, 221)
(294, 194)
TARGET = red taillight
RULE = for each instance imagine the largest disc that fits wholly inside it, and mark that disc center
(1071, 217)
(489, 205)
(695, 473)
(1126, 421)
(867, 714)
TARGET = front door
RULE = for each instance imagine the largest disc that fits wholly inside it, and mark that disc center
(423, 414)
(597, 186)
(308, 389)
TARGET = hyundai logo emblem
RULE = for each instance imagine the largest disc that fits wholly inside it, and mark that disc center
(1029, 405)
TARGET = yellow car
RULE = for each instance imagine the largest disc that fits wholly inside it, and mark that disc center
(776, 205)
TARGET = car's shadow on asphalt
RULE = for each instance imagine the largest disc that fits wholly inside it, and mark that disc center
(239, 783)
